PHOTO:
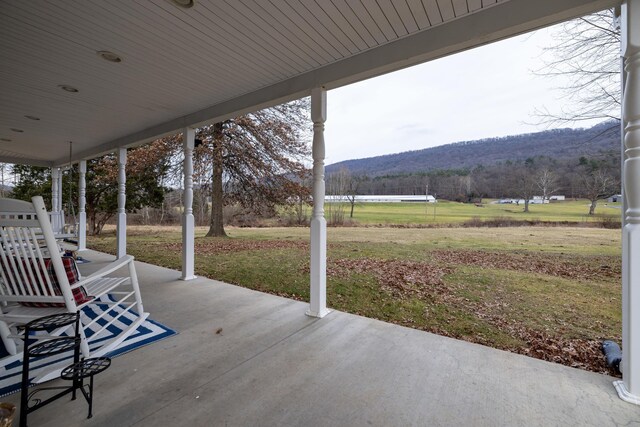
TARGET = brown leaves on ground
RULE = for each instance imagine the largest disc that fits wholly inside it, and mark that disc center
(409, 279)
(400, 278)
(551, 264)
(577, 353)
(573, 352)
(215, 245)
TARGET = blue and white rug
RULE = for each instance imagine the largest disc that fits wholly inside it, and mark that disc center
(149, 332)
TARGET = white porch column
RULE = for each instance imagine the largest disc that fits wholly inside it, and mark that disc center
(82, 202)
(60, 191)
(188, 222)
(629, 388)
(56, 205)
(318, 296)
(55, 190)
(122, 213)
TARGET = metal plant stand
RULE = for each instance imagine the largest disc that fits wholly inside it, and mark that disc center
(86, 368)
(76, 372)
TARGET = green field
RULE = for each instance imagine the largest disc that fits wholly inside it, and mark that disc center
(445, 212)
(547, 292)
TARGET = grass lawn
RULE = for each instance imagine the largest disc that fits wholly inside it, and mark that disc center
(445, 212)
(548, 292)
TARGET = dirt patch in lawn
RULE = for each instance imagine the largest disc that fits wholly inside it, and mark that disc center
(583, 268)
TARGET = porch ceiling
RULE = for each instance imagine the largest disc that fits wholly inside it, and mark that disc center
(182, 67)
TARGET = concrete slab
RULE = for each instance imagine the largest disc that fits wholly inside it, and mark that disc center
(272, 365)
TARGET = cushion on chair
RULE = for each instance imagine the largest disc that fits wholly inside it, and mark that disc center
(70, 267)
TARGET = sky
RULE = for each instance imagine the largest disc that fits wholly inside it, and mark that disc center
(480, 93)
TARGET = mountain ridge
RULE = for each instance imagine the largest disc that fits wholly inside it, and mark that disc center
(564, 143)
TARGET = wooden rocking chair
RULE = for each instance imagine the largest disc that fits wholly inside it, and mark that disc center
(37, 281)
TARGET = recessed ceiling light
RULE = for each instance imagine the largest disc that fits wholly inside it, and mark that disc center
(32, 117)
(17, 130)
(5, 139)
(109, 56)
(68, 88)
(184, 3)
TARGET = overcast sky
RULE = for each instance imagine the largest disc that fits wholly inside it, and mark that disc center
(481, 93)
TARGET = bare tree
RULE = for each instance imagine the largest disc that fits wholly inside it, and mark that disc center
(524, 182)
(337, 184)
(349, 187)
(547, 183)
(587, 51)
(5, 173)
(598, 184)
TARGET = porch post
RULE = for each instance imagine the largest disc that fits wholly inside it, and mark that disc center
(122, 213)
(629, 388)
(82, 201)
(60, 191)
(318, 296)
(55, 199)
(188, 222)
(55, 189)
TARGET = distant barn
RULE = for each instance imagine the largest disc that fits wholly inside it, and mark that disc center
(382, 199)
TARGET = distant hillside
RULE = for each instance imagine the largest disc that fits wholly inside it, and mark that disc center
(561, 144)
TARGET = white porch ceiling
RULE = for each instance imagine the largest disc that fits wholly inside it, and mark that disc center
(182, 67)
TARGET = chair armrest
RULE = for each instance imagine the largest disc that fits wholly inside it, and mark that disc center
(117, 264)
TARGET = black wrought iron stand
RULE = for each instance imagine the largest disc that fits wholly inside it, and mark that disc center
(76, 372)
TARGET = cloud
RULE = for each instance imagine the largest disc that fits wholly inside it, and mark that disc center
(484, 92)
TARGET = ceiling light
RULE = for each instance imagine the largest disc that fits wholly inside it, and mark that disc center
(17, 130)
(186, 4)
(109, 56)
(5, 139)
(32, 117)
(68, 88)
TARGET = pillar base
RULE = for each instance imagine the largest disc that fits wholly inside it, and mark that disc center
(624, 394)
(187, 278)
(319, 314)
(121, 233)
(82, 232)
(318, 267)
(188, 247)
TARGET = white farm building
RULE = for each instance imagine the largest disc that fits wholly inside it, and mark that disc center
(382, 199)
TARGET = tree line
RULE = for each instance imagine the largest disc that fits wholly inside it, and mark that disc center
(591, 178)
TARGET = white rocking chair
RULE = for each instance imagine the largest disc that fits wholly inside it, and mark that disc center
(35, 282)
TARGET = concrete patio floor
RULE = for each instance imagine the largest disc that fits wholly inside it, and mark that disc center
(272, 365)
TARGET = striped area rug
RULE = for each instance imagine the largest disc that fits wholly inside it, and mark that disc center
(149, 332)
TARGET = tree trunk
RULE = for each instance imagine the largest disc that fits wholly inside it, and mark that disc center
(216, 227)
(92, 223)
(592, 207)
(352, 205)
(526, 204)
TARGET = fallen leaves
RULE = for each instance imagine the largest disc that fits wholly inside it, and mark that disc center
(404, 279)
(550, 264)
(212, 245)
(400, 278)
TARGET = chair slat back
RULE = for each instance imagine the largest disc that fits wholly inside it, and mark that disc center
(23, 264)
(28, 243)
